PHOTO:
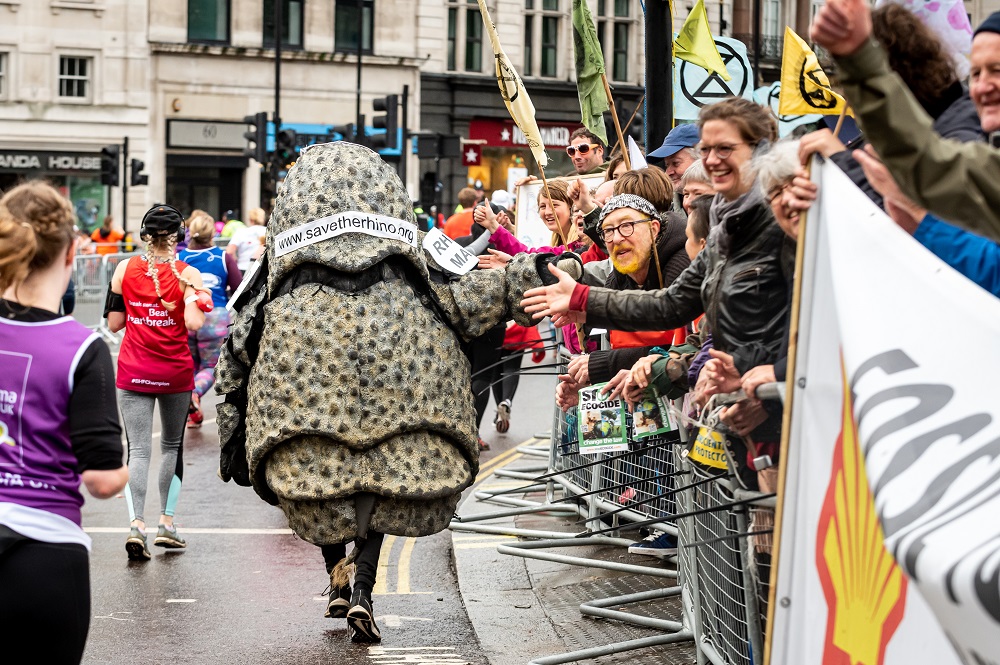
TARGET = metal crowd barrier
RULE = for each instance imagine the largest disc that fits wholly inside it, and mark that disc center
(91, 275)
(722, 596)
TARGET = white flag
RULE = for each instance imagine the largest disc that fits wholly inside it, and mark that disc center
(893, 419)
(635, 156)
(514, 95)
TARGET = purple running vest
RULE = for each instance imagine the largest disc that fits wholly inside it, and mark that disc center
(37, 466)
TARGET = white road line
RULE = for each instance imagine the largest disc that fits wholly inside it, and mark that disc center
(181, 600)
(220, 530)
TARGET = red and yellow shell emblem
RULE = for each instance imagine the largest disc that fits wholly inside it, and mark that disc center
(864, 588)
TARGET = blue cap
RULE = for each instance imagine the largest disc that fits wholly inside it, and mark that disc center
(681, 136)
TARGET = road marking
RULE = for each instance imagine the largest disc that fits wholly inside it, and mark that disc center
(382, 573)
(221, 530)
(403, 567)
(477, 546)
(421, 655)
(395, 620)
(112, 616)
(181, 600)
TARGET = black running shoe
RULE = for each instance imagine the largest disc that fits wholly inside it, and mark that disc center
(340, 602)
(361, 618)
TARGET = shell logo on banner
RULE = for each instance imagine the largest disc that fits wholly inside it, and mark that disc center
(865, 590)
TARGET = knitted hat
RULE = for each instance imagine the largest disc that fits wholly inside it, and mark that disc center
(991, 24)
(629, 201)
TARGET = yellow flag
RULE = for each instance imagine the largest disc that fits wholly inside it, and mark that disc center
(695, 44)
(805, 87)
(514, 95)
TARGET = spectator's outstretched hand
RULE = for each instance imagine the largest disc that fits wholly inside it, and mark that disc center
(483, 215)
(822, 141)
(495, 259)
(524, 181)
(756, 377)
(642, 370)
(842, 26)
(553, 300)
(579, 369)
(801, 193)
(579, 193)
(720, 373)
(745, 416)
(614, 388)
(903, 211)
(567, 392)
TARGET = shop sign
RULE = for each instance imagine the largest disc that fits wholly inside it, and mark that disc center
(206, 134)
(505, 134)
(48, 162)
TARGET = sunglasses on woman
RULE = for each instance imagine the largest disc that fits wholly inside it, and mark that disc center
(584, 148)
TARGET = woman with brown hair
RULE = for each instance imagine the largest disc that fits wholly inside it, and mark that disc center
(157, 300)
(56, 376)
(740, 280)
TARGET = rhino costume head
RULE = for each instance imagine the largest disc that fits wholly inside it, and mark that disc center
(347, 394)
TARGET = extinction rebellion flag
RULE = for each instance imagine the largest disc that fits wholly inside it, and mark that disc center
(887, 529)
(514, 95)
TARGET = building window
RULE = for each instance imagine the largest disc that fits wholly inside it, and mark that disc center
(3, 76)
(208, 21)
(345, 24)
(541, 46)
(465, 36)
(772, 18)
(615, 26)
(452, 37)
(529, 39)
(74, 77)
(291, 23)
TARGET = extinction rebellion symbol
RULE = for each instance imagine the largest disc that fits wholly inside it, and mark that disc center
(701, 87)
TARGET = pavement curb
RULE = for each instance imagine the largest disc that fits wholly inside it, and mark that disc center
(509, 619)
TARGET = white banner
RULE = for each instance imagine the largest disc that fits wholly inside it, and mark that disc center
(350, 221)
(449, 254)
(531, 230)
(911, 412)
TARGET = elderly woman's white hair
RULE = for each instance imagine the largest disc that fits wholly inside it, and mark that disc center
(695, 173)
(777, 166)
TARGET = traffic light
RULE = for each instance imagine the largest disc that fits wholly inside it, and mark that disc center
(110, 155)
(256, 137)
(346, 131)
(285, 151)
(137, 177)
(389, 106)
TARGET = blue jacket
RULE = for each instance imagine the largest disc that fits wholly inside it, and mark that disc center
(975, 257)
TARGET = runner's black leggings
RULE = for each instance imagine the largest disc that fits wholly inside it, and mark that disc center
(367, 561)
(45, 601)
(507, 375)
(483, 352)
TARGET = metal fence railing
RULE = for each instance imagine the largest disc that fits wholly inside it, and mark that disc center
(721, 593)
(91, 275)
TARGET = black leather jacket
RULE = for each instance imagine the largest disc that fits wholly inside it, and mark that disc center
(740, 281)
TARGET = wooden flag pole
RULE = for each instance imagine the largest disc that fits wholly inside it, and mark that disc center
(656, 254)
(840, 121)
(618, 127)
(548, 195)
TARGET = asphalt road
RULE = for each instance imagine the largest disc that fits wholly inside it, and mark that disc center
(246, 590)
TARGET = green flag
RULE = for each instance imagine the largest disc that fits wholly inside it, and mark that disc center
(589, 70)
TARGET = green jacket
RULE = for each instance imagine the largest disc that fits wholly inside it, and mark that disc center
(959, 182)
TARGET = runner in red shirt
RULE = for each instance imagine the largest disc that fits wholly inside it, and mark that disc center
(155, 299)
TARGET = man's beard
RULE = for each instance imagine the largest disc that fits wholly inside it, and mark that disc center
(629, 266)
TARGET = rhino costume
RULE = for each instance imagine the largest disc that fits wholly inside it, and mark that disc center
(347, 395)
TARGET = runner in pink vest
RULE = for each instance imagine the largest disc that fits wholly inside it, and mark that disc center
(58, 427)
(156, 300)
